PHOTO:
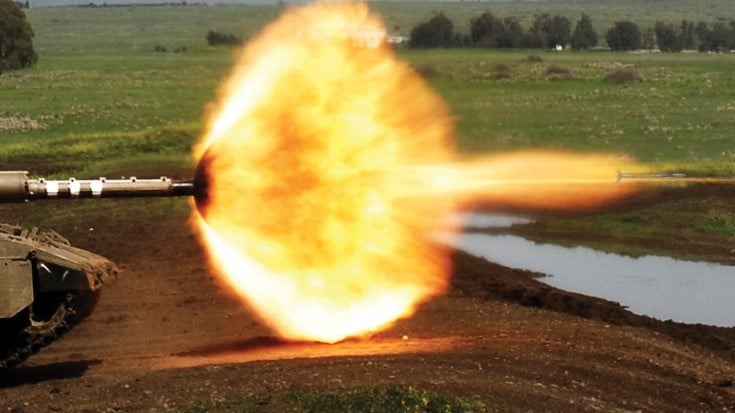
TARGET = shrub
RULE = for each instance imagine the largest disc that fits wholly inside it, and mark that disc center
(718, 223)
(215, 38)
(532, 58)
(623, 75)
(558, 72)
(426, 70)
(501, 71)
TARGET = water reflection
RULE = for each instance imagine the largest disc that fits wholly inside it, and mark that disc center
(661, 287)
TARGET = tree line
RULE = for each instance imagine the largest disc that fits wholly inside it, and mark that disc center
(546, 31)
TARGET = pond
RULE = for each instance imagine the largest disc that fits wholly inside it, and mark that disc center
(660, 287)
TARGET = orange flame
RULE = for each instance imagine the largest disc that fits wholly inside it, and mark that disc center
(330, 164)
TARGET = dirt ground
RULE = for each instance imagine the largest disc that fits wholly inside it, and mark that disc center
(166, 336)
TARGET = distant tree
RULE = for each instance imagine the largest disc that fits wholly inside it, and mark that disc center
(512, 33)
(461, 40)
(688, 35)
(584, 36)
(624, 35)
(668, 38)
(16, 38)
(215, 38)
(487, 30)
(437, 32)
(648, 39)
(552, 31)
(718, 38)
(531, 40)
(536, 31)
(702, 32)
(560, 31)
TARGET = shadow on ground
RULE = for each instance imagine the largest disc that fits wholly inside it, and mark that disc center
(52, 371)
(255, 343)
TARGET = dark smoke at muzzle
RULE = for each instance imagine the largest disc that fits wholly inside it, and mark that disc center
(202, 178)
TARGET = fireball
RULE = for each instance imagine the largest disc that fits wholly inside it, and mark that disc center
(325, 169)
(304, 213)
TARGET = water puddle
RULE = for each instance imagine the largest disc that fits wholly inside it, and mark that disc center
(660, 287)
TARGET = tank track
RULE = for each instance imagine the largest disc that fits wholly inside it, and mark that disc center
(25, 337)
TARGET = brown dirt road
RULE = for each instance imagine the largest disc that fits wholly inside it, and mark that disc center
(166, 336)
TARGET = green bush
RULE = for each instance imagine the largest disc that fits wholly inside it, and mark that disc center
(623, 75)
(532, 58)
(718, 223)
(501, 71)
(215, 38)
(558, 72)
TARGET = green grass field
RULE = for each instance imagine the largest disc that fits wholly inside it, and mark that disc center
(676, 114)
(102, 100)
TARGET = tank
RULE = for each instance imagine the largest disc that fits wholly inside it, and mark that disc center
(46, 284)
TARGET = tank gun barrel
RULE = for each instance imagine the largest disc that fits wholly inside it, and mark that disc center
(649, 175)
(15, 186)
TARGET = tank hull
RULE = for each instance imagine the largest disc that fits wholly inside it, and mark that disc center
(46, 286)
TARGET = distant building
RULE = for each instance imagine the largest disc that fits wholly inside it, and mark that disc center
(397, 40)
